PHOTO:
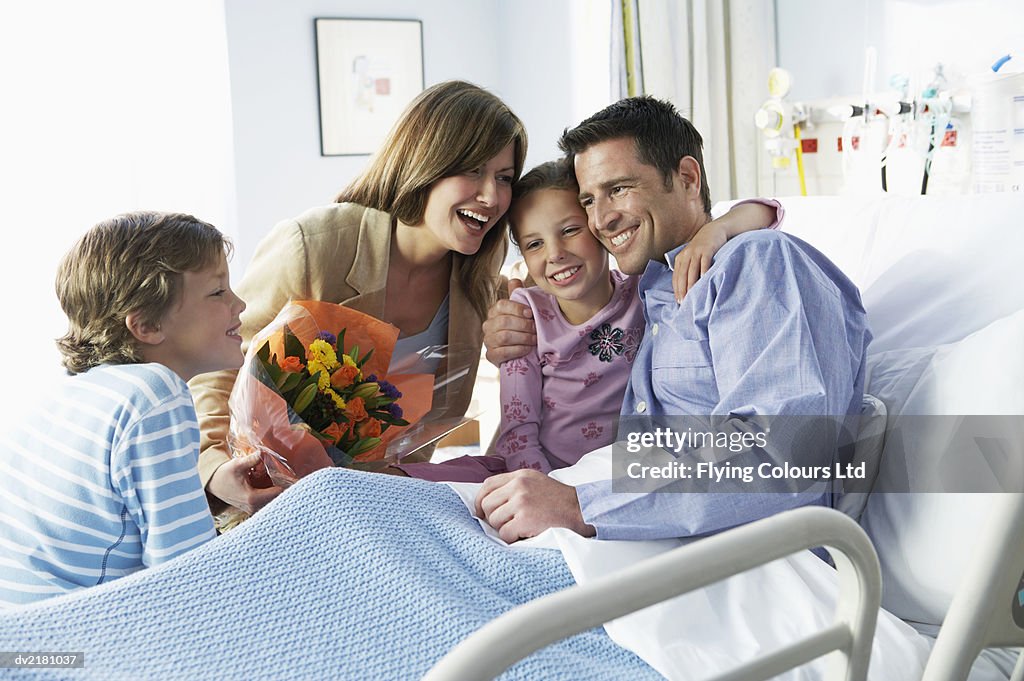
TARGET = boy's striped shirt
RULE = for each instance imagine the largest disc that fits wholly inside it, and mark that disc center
(100, 481)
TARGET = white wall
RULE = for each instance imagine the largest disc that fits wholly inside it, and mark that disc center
(272, 61)
(554, 66)
(520, 50)
(107, 106)
(822, 42)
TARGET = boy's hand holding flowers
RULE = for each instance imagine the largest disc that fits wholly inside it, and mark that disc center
(239, 469)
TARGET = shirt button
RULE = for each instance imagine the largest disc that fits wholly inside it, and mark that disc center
(654, 330)
(641, 407)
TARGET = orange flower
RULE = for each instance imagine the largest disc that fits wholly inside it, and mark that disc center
(292, 364)
(343, 377)
(356, 409)
(368, 428)
(335, 431)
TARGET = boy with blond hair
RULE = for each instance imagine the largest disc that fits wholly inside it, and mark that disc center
(101, 480)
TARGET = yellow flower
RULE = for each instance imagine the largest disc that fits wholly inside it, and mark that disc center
(336, 398)
(321, 351)
(323, 379)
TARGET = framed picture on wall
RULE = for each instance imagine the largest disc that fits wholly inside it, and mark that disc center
(368, 70)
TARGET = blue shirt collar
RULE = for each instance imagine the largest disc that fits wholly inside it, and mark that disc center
(670, 257)
(657, 273)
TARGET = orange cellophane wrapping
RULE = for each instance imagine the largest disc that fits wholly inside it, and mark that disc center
(259, 414)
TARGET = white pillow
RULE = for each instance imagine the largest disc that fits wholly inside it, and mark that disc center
(924, 540)
(940, 268)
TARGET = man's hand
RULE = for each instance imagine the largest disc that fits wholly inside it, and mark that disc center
(509, 331)
(524, 503)
(694, 261)
(232, 484)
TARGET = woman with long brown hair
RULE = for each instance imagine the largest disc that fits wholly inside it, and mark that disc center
(417, 240)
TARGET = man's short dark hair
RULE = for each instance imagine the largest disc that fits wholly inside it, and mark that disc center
(662, 136)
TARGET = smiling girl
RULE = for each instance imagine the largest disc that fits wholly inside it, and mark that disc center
(560, 401)
(417, 240)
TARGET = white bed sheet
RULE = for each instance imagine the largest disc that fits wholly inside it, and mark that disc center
(710, 631)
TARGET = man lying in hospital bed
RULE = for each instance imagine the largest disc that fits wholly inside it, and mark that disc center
(352, 575)
(773, 337)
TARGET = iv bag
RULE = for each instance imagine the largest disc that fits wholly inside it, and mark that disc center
(997, 118)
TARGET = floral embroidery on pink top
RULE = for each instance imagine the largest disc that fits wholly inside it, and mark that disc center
(592, 430)
(515, 366)
(516, 410)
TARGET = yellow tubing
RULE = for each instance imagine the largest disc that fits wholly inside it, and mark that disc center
(800, 160)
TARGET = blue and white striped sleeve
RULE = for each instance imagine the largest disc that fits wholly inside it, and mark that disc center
(154, 466)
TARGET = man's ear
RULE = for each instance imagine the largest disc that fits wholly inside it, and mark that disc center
(688, 173)
(145, 332)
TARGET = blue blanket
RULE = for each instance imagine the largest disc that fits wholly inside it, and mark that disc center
(347, 575)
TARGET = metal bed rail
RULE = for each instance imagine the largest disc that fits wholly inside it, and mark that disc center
(521, 631)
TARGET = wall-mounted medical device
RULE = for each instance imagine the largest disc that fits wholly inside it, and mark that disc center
(931, 138)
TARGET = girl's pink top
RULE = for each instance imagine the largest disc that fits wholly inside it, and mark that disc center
(561, 400)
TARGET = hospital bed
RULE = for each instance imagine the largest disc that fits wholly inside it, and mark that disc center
(353, 575)
(942, 280)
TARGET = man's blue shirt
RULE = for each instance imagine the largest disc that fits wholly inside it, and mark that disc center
(772, 329)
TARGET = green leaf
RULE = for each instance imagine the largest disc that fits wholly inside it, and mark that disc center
(293, 346)
(320, 436)
(367, 356)
(390, 420)
(308, 380)
(273, 371)
(304, 384)
(363, 445)
(291, 380)
(304, 399)
(278, 377)
(341, 341)
(354, 353)
(264, 353)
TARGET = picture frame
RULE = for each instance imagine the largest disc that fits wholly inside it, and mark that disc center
(368, 70)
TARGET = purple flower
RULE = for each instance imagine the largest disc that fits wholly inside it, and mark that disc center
(395, 410)
(389, 390)
(331, 339)
(372, 378)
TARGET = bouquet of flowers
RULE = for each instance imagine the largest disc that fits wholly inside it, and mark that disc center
(342, 408)
(314, 391)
